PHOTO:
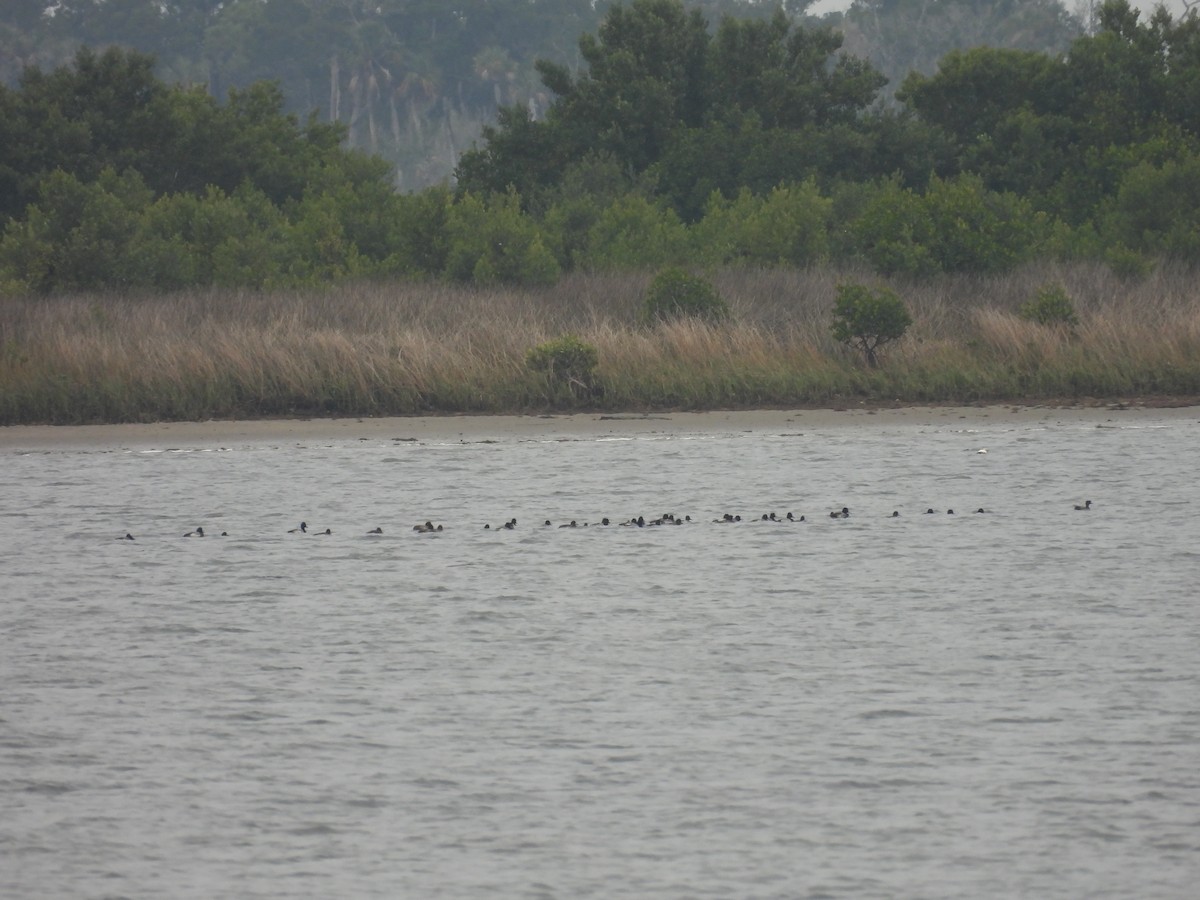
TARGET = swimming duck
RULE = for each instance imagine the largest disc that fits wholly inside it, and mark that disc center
(981, 510)
(128, 537)
(511, 524)
(326, 531)
(929, 512)
(424, 529)
(949, 512)
(605, 521)
(573, 524)
(199, 532)
(303, 529)
(844, 514)
(895, 514)
(1087, 504)
(376, 530)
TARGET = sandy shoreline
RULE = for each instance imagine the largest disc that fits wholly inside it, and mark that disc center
(583, 425)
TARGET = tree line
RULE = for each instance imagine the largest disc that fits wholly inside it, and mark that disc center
(415, 80)
(759, 141)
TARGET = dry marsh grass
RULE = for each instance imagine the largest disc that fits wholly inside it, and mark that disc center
(411, 348)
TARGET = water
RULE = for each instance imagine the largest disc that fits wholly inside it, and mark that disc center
(990, 705)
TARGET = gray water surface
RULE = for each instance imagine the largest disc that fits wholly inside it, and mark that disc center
(986, 705)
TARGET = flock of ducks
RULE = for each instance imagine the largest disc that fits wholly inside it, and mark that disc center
(428, 527)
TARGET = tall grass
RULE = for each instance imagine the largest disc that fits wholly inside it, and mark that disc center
(411, 348)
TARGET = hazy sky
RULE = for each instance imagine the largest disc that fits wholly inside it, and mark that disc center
(1175, 6)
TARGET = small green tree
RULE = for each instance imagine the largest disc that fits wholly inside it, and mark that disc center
(1051, 306)
(868, 318)
(491, 241)
(568, 359)
(674, 294)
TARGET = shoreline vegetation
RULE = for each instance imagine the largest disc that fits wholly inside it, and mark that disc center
(372, 349)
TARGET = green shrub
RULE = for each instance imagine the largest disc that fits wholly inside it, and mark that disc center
(1126, 263)
(568, 360)
(674, 294)
(1051, 306)
(957, 225)
(868, 318)
(785, 228)
(491, 241)
(632, 233)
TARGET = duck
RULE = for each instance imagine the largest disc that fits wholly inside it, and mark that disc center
(605, 521)
(199, 532)
(302, 529)
(326, 531)
(843, 514)
(375, 530)
(949, 512)
(981, 510)
(571, 524)
(424, 529)
(546, 524)
(1087, 504)
(128, 537)
(511, 524)
(895, 514)
(929, 512)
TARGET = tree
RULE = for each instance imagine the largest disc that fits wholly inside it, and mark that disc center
(869, 318)
(661, 96)
(493, 242)
(789, 77)
(903, 36)
(675, 294)
(785, 228)
(568, 360)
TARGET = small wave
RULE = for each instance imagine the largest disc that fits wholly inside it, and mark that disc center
(889, 714)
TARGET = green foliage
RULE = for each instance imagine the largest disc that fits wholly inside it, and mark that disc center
(1157, 209)
(788, 227)
(906, 36)
(421, 239)
(494, 242)
(635, 233)
(1126, 263)
(660, 93)
(567, 360)
(957, 225)
(1052, 305)
(869, 318)
(894, 232)
(675, 294)
(77, 236)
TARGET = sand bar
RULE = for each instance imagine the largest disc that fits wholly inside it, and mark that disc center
(582, 425)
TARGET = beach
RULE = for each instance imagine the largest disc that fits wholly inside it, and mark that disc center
(567, 427)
